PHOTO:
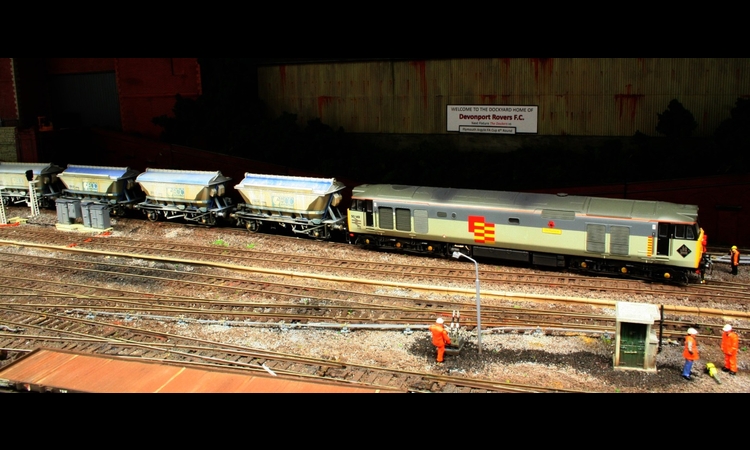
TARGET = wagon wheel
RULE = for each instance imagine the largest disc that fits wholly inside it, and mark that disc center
(252, 226)
(120, 212)
(210, 220)
(153, 216)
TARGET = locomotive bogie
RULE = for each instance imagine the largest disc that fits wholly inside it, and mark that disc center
(304, 205)
(655, 240)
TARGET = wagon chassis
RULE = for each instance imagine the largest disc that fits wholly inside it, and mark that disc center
(116, 207)
(202, 215)
(16, 197)
(316, 228)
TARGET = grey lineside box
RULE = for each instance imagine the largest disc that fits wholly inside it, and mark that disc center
(96, 215)
(86, 214)
(61, 205)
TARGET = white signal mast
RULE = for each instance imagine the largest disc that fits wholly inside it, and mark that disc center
(3, 218)
(33, 200)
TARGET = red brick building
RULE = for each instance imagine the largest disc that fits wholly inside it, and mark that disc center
(121, 94)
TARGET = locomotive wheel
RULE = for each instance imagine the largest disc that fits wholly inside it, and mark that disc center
(153, 216)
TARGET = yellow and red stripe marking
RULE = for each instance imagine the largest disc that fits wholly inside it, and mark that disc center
(483, 231)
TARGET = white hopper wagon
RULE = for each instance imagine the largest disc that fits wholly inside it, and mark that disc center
(14, 179)
(304, 205)
(114, 187)
(196, 196)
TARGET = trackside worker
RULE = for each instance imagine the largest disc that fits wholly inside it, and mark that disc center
(735, 259)
(440, 338)
(730, 342)
(690, 353)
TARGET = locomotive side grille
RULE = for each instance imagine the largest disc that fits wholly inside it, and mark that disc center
(385, 218)
(558, 214)
(403, 219)
(619, 240)
(420, 221)
(595, 236)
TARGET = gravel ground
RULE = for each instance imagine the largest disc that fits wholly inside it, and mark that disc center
(566, 361)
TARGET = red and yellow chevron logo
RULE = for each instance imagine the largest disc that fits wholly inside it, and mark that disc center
(483, 231)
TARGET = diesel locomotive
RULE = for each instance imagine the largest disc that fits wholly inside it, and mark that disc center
(642, 239)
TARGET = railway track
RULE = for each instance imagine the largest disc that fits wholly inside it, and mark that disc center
(491, 278)
(31, 329)
(215, 292)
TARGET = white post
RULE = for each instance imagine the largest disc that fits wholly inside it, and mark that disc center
(457, 255)
(3, 219)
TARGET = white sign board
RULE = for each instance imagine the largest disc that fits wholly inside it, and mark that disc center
(500, 119)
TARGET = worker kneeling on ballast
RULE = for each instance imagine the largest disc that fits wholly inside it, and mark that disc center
(446, 341)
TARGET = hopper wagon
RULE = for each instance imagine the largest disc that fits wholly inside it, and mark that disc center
(195, 196)
(302, 204)
(114, 187)
(14, 179)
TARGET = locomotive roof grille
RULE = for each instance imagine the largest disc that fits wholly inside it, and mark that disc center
(572, 204)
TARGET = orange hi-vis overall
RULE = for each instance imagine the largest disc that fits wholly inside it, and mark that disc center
(730, 342)
(440, 339)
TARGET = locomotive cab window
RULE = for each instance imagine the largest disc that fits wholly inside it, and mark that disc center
(679, 231)
(671, 231)
(365, 206)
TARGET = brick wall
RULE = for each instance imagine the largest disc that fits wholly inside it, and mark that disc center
(8, 152)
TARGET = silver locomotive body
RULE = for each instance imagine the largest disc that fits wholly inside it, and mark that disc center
(644, 239)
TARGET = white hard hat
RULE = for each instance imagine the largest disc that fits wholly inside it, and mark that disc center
(439, 320)
(727, 327)
(692, 331)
